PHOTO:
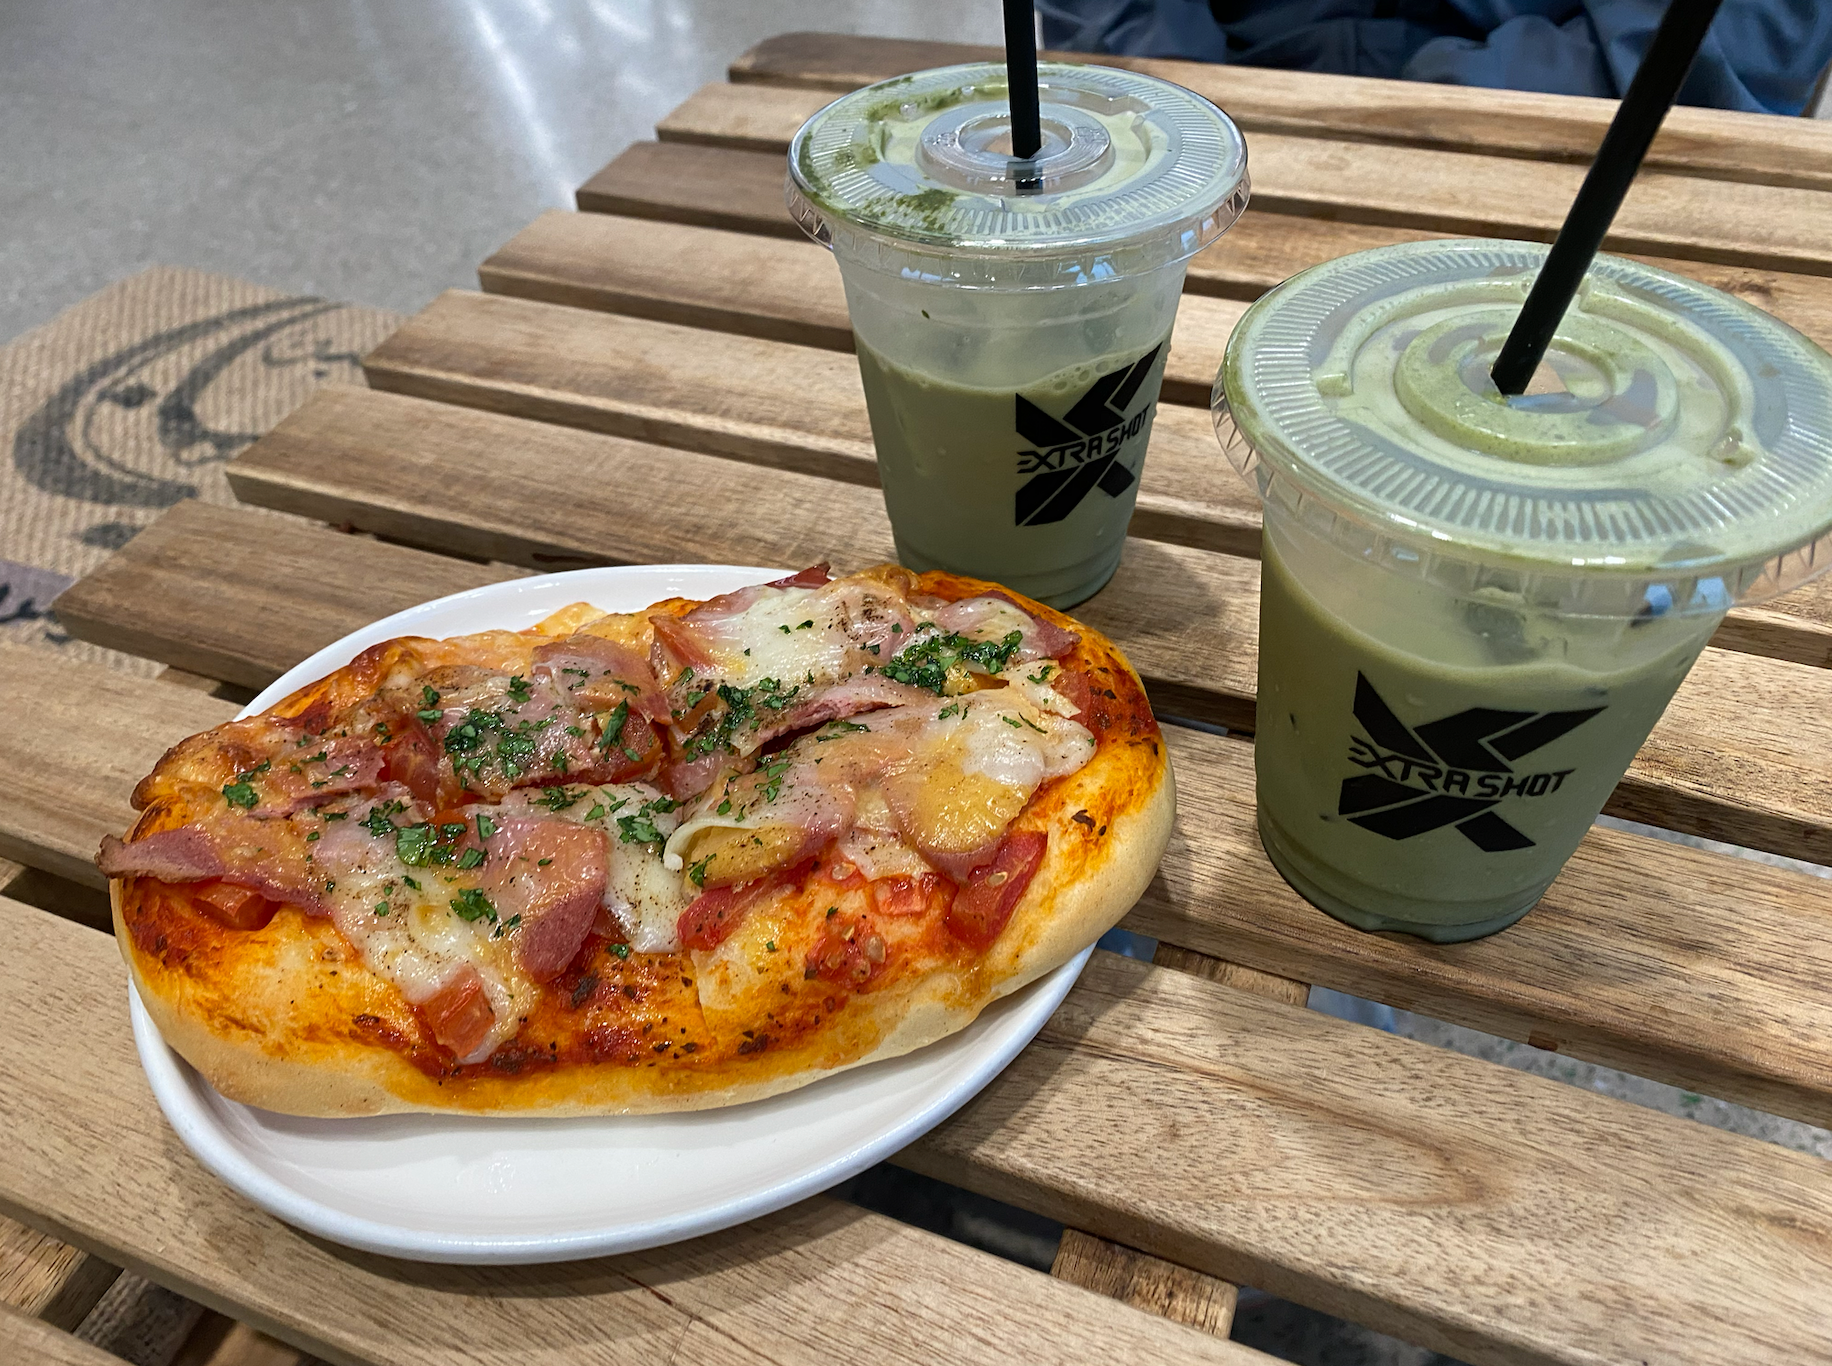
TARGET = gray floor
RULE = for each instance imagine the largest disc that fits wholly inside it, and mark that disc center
(369, 150)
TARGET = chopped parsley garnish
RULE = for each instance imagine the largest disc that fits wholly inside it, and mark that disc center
(928, 662)
(804, 626)
(697, 871)
(952, 709)
(611, 727)
(741, 712)
(382, 908)
(1033, 725)
(597, 812)
(428, 697)
(783, 629)
(725, 807)
(377, 820)
(241, 792)
(507, 925)
(1010, 721)
(621, 950)
(835, 729)
(471, 858)
(473, 905)
(772, 772)
(485, 826)
(421, 845)
(640, 828)
(558, 798)
(1042, 675)
(429, 714)
(312, 837)
(410, 882)
(519, 690)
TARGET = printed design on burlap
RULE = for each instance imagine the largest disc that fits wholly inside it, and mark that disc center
(133, 401)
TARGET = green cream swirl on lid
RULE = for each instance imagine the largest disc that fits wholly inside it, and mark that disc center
(1134, 172)
(1675, 438)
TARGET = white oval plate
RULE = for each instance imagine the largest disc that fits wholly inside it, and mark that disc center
(462, 1189)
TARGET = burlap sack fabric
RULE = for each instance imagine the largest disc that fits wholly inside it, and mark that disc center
(133, 400)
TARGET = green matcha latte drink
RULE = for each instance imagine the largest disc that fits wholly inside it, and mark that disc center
(1474, 608)
(1012, 317)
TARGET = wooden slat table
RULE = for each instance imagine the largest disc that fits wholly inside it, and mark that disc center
(663, 376)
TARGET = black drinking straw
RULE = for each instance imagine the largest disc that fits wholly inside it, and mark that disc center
(1021, 68)
(1663, 70)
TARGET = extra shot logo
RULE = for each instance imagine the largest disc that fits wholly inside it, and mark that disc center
(1075, 454)
(1448, 772)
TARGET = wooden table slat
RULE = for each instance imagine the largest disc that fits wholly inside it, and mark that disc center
(1719, 144)
(44, 1279)
(742, 192)
(699, 278)
(1465, 193)
(26, 1341)
(759, 286)
(1739, 955)
(1212, 1128)
(1145, 1282)
(180, 574)
(817, 1283)
(765, 402)
(1753, 774)
(66, 784)
(800, 409)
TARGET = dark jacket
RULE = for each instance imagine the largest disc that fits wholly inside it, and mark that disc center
(1760, 55)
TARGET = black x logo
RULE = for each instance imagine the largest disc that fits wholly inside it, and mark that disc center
(1054, 494)
(1475, 740)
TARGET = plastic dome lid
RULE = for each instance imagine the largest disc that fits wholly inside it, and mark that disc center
(1673, 453)
(1133, 173)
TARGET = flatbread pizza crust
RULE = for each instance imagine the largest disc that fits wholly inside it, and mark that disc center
(287, 1018)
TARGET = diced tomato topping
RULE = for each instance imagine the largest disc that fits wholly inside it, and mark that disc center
(901, 895)
(843, 875)
(850, 954)
(459, 1012)
(240, 908)
(985, 904)
(713, 915)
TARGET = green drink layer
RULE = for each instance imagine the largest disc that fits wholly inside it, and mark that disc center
(1428, 764)
(1033, 489)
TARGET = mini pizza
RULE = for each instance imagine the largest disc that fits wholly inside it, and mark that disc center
(662, 860)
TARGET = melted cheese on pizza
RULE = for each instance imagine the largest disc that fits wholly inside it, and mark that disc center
(794, 784)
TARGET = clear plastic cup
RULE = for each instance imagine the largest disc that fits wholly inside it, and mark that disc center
(1011, 317)
(1474, 609)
